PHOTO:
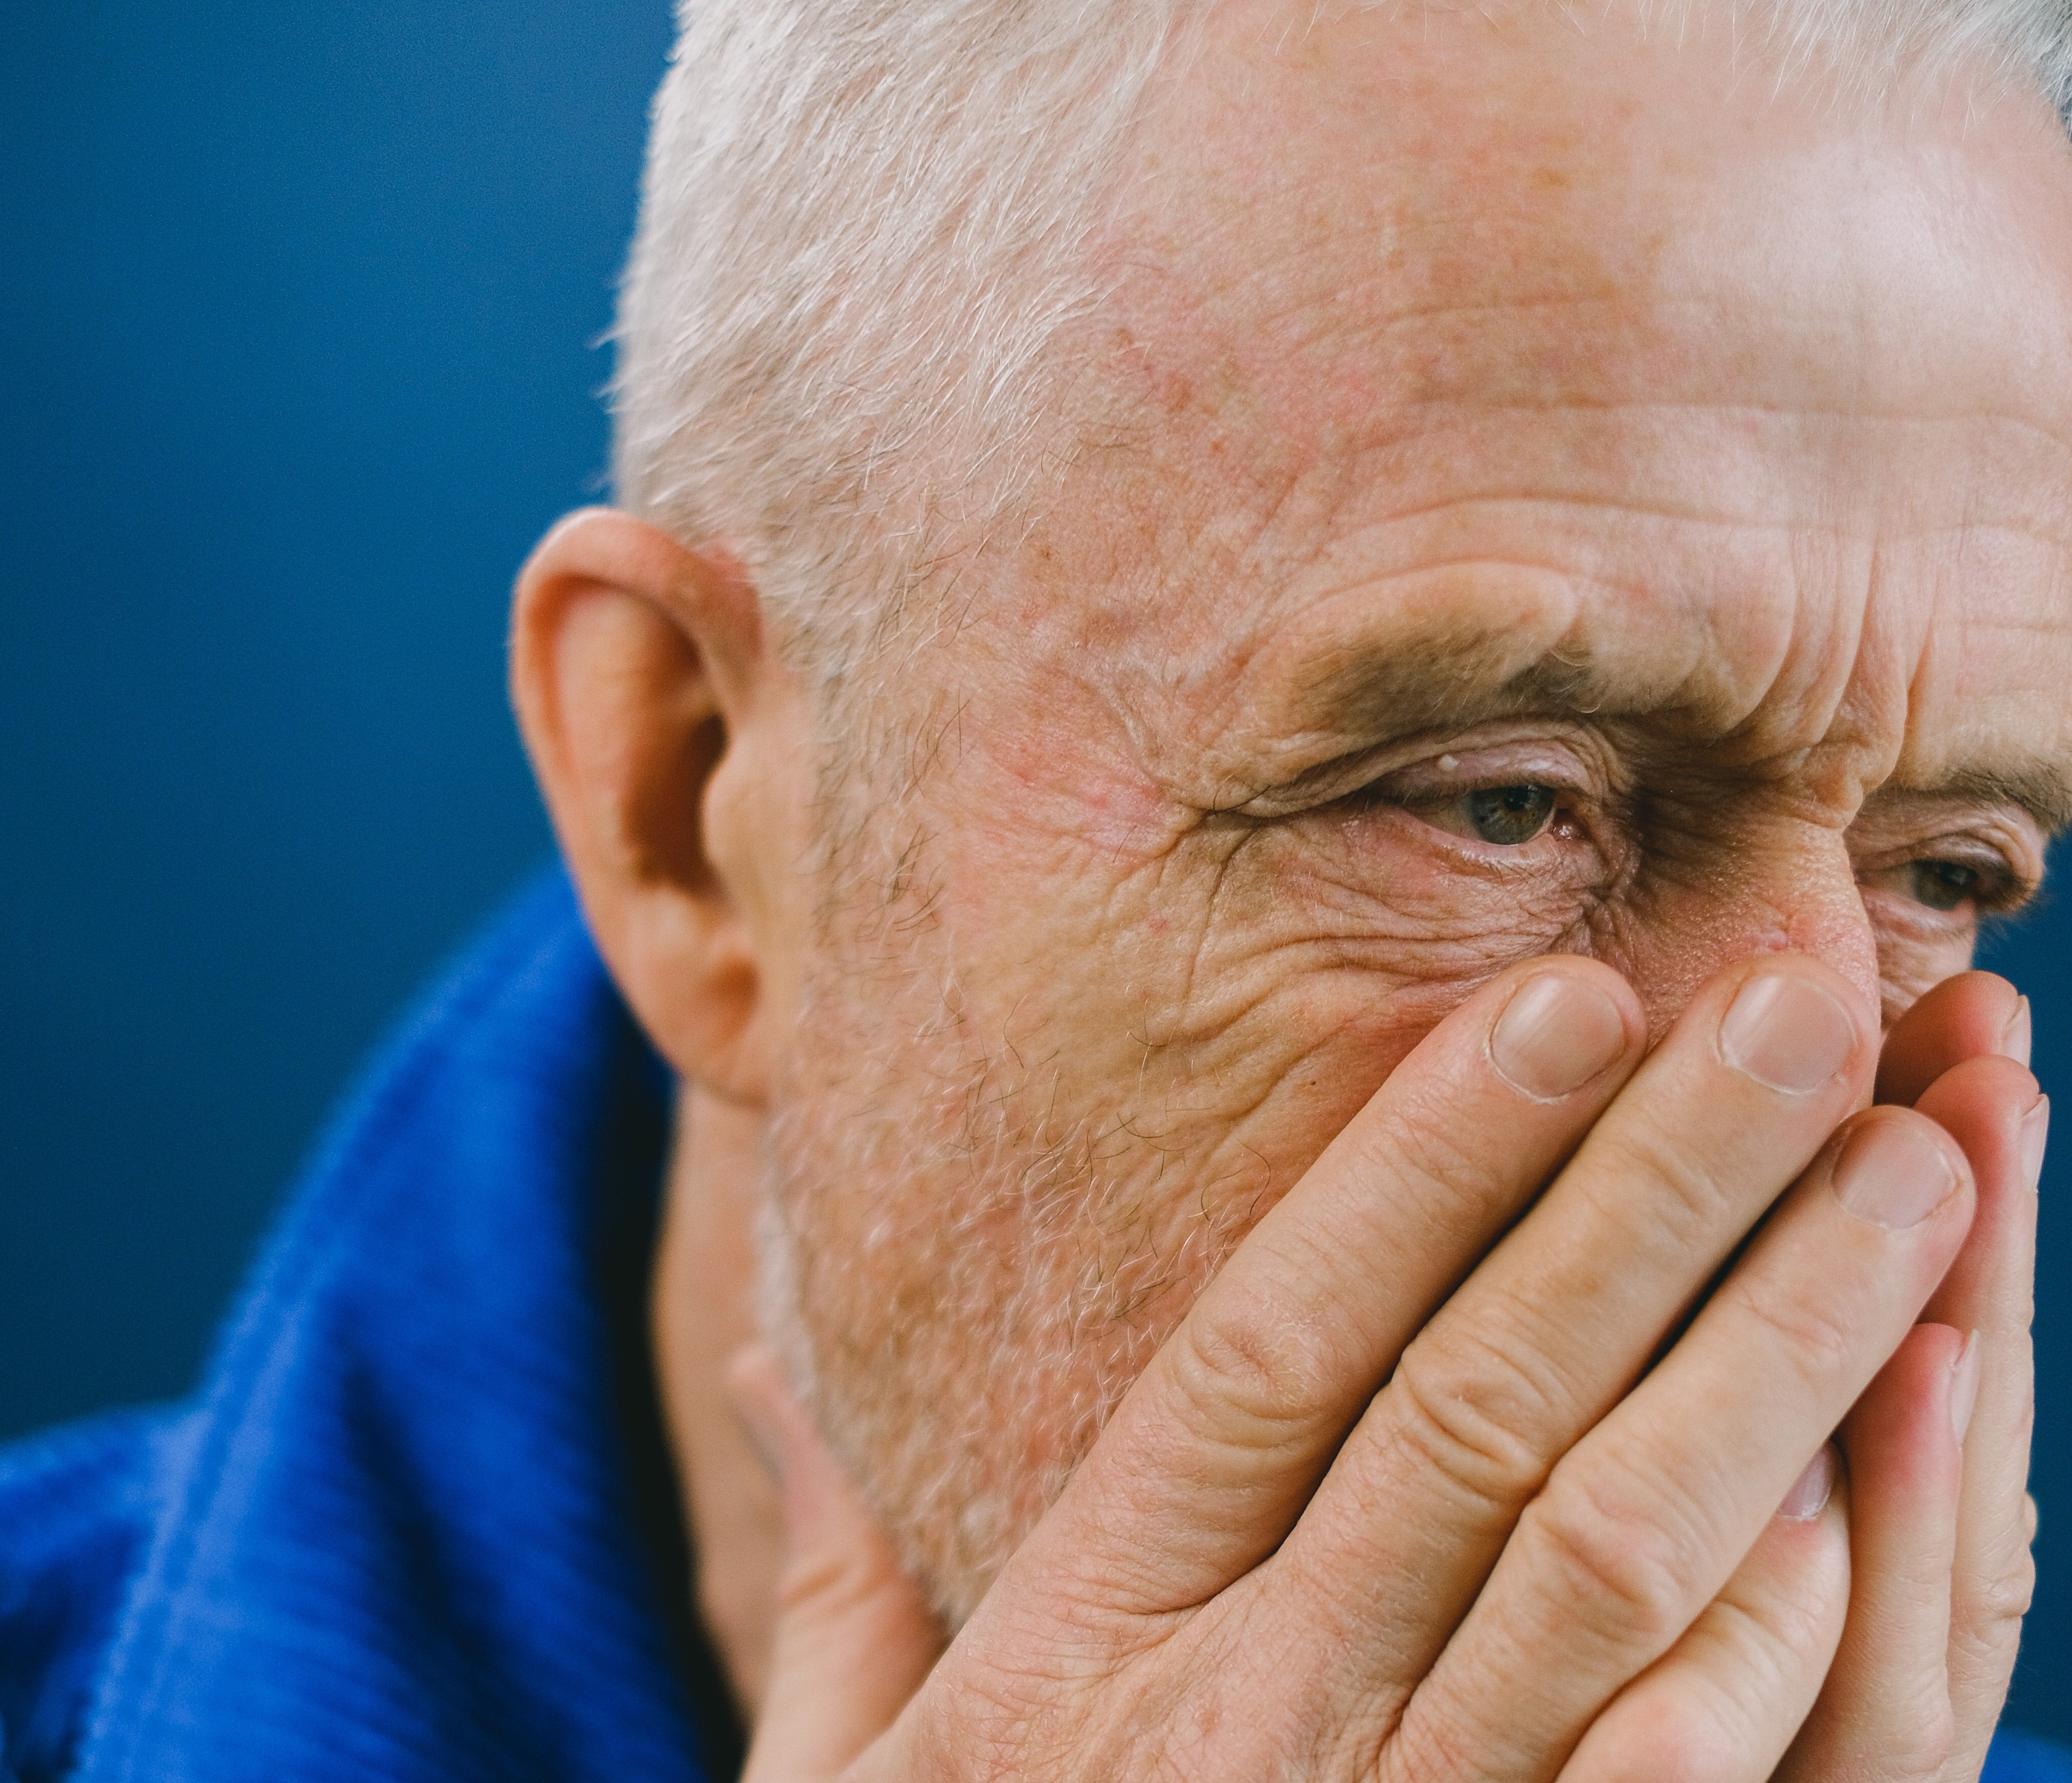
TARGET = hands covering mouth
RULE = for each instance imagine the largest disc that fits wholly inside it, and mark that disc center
(1584, 1412)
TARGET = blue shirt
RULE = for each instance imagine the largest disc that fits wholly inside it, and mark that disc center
(419, 1522)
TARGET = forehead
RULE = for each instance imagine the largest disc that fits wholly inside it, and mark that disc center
(1455, 348)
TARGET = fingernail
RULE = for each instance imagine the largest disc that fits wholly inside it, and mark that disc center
(1808, 1497)
(1891, 1175)
(2035, 1137)
(1786, 1033)
(1964, 1387)
(2015, 1037)
(1554, 1035)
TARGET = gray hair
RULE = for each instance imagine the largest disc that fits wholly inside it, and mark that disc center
(858, 236)
(862, 230)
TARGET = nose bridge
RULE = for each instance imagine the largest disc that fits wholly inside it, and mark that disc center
(1802, 899)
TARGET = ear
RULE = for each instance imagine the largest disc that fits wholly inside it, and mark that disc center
(671, 747)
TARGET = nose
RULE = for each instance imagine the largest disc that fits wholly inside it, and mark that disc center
(1798, 899)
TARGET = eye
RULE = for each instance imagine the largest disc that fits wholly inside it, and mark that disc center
(1942, 885)
(1473, 796)
(1507, 816)
(1951, 887)
(1973, 890)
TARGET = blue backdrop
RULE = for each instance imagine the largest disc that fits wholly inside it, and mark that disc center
(299, 312)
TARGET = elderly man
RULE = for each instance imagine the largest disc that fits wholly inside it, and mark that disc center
(1294, 734)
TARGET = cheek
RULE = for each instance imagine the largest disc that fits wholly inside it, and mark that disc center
(1309, 939)
(1917, 950)
(1316, 983)
(1223, 1010)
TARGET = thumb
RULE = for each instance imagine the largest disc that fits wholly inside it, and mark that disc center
(854, 1637)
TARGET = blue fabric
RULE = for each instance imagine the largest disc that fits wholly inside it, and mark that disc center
(419, 1522)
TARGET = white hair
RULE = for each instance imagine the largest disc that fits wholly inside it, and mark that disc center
(862, 230)
(858, 238)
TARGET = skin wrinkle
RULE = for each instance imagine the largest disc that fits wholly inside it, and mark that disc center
(1971, 528)
(2046, 803)
(1130, 1030)
(1124, 1125)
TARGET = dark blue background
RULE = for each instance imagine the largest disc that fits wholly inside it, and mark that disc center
(299, 305)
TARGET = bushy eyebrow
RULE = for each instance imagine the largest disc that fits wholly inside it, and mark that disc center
(1382, 695)
(1398, 693)
(1341, 705)
(2043, 791)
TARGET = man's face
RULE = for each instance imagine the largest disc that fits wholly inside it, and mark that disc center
(1548, 496)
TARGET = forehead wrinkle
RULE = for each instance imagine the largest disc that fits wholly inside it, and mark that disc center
(1411, 458)
(1466, 670)
(1832, 708)
(1268, 336)
(1984, 750)
(1415, 451)
(1396, 245)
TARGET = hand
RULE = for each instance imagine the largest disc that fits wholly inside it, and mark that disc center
(1361, 1517)
(1941, 1526)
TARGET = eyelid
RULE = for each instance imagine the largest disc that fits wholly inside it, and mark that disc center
(1571, 757)
(1454, 774)
(2003, 889)
(1998, 859)
(2001, 892)
(1887, 832)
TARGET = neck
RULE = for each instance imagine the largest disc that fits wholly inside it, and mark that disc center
(703, 1311)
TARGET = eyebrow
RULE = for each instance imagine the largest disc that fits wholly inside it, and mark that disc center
(2044, 792)
(1383, 695)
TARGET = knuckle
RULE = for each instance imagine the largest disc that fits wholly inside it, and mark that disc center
(1796, 1628)
(1428, 1746)
(1645, 1152)
(829, 1586)
(1934, 1741)
(1916, 1745)
(1471, 1412)
(1428, 1142)
(968, 1733)
(1251, 1373)
(1992, 1611)
(1817, 1336)
(1614, 1567)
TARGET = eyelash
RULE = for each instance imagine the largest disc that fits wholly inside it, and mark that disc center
(1572, 808)
(2002, 888)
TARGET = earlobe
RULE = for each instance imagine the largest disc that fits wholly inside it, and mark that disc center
(642, 684)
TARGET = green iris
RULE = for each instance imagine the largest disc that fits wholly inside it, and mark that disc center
(1509, 815)
(1943, 885)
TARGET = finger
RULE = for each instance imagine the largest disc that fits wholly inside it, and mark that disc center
(1724, 1704)
(1210, 1457)
(1886, 1710)
(854, 1638)
(1991, 1108)
(1546, 1336)
(1966, 1017)
(1643, 1522)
